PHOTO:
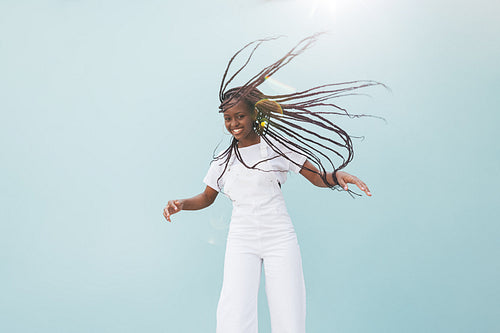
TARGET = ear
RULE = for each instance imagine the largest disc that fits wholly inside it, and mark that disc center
(254, 113)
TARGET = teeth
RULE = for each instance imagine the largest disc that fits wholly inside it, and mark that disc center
(236, 131)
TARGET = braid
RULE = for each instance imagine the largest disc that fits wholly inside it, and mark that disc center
(301, 121)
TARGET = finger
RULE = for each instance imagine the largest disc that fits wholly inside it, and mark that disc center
(342, 183)
(367, 191)
(364, 188)
(174, 205)
(359, 184)
(171, 208)
(166, 214)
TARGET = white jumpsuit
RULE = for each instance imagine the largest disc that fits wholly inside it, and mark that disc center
(260, 232)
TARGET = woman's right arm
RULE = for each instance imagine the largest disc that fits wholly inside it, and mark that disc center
(200, 201)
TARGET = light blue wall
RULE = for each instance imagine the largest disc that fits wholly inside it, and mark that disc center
(109, 109)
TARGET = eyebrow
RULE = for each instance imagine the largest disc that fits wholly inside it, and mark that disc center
(236, 114)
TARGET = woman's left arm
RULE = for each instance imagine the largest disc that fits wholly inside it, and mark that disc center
(311, 173)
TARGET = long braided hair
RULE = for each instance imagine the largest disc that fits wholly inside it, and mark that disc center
(300, 122)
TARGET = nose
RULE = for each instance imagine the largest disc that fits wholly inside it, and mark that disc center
(234, 123)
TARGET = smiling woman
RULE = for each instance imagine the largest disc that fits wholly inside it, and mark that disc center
(239, 121)
(268, 141)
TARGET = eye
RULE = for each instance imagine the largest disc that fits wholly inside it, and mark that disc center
(241, 116)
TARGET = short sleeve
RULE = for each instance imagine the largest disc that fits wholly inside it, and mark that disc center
(297, 158)
(213, 174)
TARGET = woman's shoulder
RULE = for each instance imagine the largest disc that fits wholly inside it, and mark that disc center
(278, 146)
(220, 159)
(288, 151)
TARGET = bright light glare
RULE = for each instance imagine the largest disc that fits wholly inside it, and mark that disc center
(279, 87)
(317, 7)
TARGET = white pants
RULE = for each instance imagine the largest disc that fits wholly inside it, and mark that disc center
(253, 241)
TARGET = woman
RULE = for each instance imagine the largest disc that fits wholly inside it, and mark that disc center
(268, 142)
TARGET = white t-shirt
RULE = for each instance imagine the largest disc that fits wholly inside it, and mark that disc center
(251, 155)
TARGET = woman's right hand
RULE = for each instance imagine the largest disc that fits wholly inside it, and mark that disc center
(173, 206)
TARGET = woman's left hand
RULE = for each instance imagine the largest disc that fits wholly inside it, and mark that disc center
(344, 178)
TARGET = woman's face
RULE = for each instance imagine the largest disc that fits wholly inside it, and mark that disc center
(239, 121)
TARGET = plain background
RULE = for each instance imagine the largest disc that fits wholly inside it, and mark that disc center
(109, 109)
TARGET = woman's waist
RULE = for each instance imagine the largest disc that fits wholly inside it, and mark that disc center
(264, 200)
(259, 225)
(272, 210)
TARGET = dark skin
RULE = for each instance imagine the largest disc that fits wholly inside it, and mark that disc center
(239, 122)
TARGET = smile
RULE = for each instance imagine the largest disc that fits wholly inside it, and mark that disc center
(237, 131)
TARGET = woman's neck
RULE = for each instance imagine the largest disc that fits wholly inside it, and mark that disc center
(249, 142)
